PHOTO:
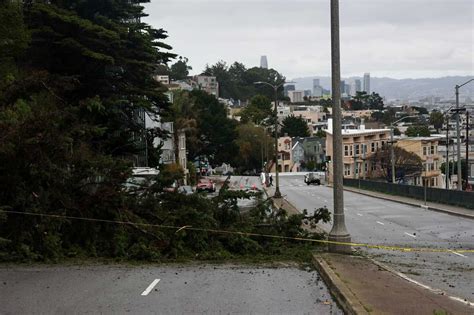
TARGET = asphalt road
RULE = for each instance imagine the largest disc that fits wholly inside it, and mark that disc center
(376, 221)
(194, 289)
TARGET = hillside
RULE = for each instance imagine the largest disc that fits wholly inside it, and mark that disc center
(403, 88)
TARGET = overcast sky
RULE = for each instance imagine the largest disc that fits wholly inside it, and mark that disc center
(398, 39)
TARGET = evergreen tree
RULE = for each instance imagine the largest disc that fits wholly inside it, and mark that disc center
(295, 127)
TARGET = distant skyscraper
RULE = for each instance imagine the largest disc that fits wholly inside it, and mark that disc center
(263, 62)
(347, 89)
(307, 93)
(287, 88)
(358, 86)
(343, 87)
(317, 89)
(367, 82)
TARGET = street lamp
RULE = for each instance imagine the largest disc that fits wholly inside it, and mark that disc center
(275, 88)
(392, 154)
(339, 237)
(458, 130)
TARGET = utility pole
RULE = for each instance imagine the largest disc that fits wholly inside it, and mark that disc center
(275, 112)
(446, 165)
(458, 138)
(277, 181)
(458, 130)
(392, 154)
(338, 232)
(466, 176)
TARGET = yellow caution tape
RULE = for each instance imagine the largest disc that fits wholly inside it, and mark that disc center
(190, 228)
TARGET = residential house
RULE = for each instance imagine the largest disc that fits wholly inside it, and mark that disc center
(285, 159)
(315, 119)
(357, 147)
(427, 149)
(208, 84)
(297, 155)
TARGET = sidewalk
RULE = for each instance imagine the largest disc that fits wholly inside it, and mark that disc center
(363, 287)
(459, 211)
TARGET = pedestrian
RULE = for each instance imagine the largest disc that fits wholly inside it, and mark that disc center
(271, 180)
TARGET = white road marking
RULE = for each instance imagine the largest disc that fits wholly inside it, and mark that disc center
(150, 287)
(459, 254)
(437, 291)
(360, 215)
(414, 236)
(380, 223)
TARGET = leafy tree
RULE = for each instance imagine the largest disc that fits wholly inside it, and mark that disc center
(326, 102)
(14, 38)
(359, 101)
(364, 101)
(217, 133)
(258, 109)
(295, 127)
(377, 116)
(68, 120)
(437, 120)
(180, 69)
(221, 71)
(418, 131)
(238, 82)
(253, 142)
(375, 101)
(389, 116)
(183, 115)
(455, 165)
(396, 132)
(407, 164)
(321, 134)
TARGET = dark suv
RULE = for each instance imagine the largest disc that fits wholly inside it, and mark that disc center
(312, 178)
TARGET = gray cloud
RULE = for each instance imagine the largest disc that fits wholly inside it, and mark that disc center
(411, 38)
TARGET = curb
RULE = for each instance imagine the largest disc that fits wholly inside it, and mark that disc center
(464, 215)
(342, 294)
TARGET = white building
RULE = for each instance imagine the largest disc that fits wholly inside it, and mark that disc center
(208, 84)
(296, 96)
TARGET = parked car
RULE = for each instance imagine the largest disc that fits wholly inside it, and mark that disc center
(206, 185)
(312, 178)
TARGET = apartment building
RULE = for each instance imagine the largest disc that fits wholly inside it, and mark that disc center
(357, 147)
(427, 149)
(208, 84)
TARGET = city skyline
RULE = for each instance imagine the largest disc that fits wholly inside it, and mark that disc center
(405, 39)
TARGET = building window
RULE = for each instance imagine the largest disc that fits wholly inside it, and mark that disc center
(346, 150)
(356, 149)
(372, 146)
(347, 169)
(432, 149)
(373, 167)
(424, 150)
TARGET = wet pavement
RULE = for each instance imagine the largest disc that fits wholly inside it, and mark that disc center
(189, 289)
(381, 222)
